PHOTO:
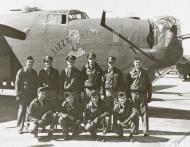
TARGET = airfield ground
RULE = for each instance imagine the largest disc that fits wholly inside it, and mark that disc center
(169, 122)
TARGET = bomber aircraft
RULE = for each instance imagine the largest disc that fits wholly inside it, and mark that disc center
(63, 32)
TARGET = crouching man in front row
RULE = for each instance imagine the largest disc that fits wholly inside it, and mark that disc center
(124, 115)
(70, 116)
(97, 115)
(40, 113)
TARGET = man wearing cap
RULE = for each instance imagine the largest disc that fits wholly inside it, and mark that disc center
(92, 76)
(49, 77)
(124, 114)
(40, 112)
(139, 89)
(70, 115)
(112, 82)
(70, 80)
(97, 115)
(26, 84)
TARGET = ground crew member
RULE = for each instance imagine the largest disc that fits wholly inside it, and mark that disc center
(70, 116)
(97, 115)
(70, 80)
(92, 76)
(124, 115)
(49, 77)
(112, 82)
(40, 112)
(26, 85)
(139, 88)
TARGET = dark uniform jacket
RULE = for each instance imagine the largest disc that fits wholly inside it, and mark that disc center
(36, 110)
(49, 77)
(92, 77)
(138, 82)
(93, 111)
(74, 110)
(70, 80)
(113, 79)
(123, 112)
(26, 84)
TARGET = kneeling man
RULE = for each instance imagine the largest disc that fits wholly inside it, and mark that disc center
(40, 113)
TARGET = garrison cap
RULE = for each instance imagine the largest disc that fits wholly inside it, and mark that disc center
(111, 59)
(70, 57)
(121, 95)
(30, 58)
(43, 89)
(91, 55)
(47, 58)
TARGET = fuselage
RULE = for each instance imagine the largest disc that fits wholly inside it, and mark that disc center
(48, 35)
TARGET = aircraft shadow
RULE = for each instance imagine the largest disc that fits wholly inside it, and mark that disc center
(115, 138)
(161, 87)
(8, 108)
(41, 145)
(159, 112)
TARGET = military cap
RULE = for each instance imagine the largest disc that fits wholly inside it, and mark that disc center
(91, 55)
(111, 59)
(47, 58)
(138, 58)
(70, 57)
(30, 58)
(121, 95)
(43, 89)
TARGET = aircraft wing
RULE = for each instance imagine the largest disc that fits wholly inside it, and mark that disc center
(9, 64)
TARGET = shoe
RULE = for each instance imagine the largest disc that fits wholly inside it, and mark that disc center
(131, 139)
(50, 133)
(35, 135)
(146, 134)
(136, 132)
(20, 131)
(65, 136)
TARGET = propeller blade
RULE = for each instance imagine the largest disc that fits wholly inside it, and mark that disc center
(103, 23)
(12, 32)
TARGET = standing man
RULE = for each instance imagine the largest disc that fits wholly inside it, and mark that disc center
(49, 77)
(70, 80)
(112, 83)
(92, 76)
(139, 88)
(26, 85)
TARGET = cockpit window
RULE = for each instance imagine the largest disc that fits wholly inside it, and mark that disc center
(161, 26)
(77, 15)
(56, 19)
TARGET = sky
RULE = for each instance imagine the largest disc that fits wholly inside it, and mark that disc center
(116, 8)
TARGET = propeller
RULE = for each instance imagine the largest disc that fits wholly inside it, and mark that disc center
(134, 47)
(11, 32)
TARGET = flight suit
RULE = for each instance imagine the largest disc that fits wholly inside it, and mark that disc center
(26, 85)
(50, 77)
(70, 81)
(139, 88)
(92, 79)
(126, 114)
(40, 115)
(97, 116)
(70, 117)
(112, 84)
